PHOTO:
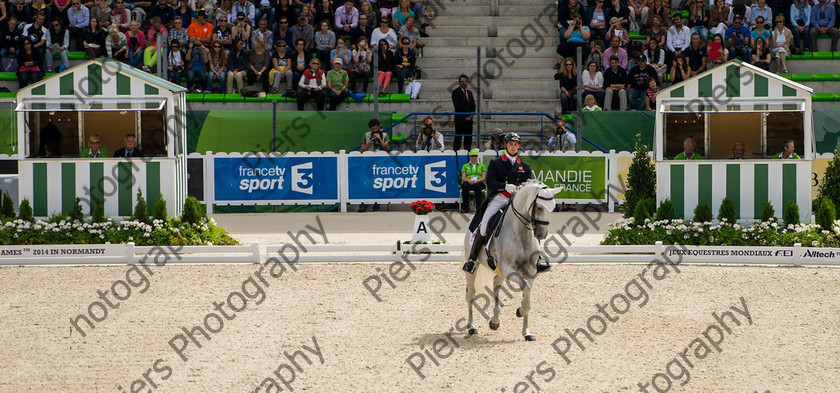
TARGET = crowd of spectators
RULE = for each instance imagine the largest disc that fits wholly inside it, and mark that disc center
(622, 74)
(223, 45)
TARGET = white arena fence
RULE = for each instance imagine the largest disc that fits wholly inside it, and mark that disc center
(118, 254)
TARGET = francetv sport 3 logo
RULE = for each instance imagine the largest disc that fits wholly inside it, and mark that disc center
(409, 177)
(275, 178)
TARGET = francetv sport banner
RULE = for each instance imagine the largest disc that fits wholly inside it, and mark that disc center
(276, 179)
(402, 177)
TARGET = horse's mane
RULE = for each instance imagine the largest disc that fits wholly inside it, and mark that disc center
(527, 192)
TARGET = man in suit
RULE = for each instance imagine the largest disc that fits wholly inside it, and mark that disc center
(130, 149)
(463, 101)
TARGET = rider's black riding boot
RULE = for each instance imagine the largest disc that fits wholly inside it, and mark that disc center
(478, 242)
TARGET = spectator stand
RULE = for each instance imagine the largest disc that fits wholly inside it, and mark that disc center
(56, 117)
(735, 102)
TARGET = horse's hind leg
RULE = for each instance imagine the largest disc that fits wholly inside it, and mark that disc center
(497, 309)
(470, 298)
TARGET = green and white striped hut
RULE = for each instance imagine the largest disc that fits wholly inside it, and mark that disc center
(58, 117)
(738, 117)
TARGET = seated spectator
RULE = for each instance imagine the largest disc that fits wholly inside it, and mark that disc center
(237, 66)
(30, 65)
(403, 11)
(78, 20)
(130, 148)
(738, 151)
(32, 9)
(342, 52)
(366, 9)
(175, 63)
(242, 30)
(650, 95)
(760, 14)
(563, 139)
(217, 64)
(696, 55)
(12, 38)
(788, 151)
(638, 14)
(576, 36)
(760, 31)
(717, 17)
(722, 55)
(247, 9)
(823, 21)
(312, 84)
(638, 78)
(566, 10)
(323, 12)
(346, 18)
(473, 175)
(738, 37)
(300, 59)
(404, 64)
(95, 149)
(363, 30)
(58, 42)
(568, 86)
(617, 31)
(201, 31)
(699, 19)
(590, 105)
(761, 54)
(137, 9)
(178, 32)
(679, 37)
(259, 62)
(679, 70)
(597, 19)
(284, 9)
(619, 10)
(429, 139)
(306, 12)
(93, 39)
(281, 68)
(386, 66)
(196, 59)
(659, 8)
(283, 33)
(615, 83)
(164, 13)
(361, 66)
(265, 10)
(136, 44)
(116, 45)
(800, 23)
(655, 56)
(688, 151)
(596, 54)
(375, 140)
(593, 81)
(385, 33)
(338, 84)
(120, 16)
(615, 50)
(37, 34)
(412, 33)
(657, 32)
(780, 40)
(324, 42)
(387, 8)
(150, 54)
(102, 12)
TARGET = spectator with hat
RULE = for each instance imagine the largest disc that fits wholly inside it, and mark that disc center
(473, 175)
(304, 31)
(338, 82)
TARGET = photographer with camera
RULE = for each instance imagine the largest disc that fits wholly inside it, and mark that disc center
(739, 39)
(563, 138)
(429, 139)
(375, 139)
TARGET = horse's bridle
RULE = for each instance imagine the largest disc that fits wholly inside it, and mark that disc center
(532, 222)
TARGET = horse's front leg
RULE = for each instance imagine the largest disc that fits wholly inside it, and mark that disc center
(524, 309)
(497, 308)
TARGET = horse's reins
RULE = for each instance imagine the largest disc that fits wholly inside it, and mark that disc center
(533, 221)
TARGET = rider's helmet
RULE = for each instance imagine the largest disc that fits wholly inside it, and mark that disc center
(512, 137)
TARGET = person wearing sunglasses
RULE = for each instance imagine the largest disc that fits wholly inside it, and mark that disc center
(120, 16)
(312, 85)
(78, 19)
(385, 33)
(164, 12)
(780, 41)
(57, 43)
(95, 149)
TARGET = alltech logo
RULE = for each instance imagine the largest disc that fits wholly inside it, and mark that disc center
(821, 254)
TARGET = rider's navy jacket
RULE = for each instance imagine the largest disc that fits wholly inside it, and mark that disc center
(503, 171)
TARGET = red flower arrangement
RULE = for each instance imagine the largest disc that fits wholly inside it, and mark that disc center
(422, 208)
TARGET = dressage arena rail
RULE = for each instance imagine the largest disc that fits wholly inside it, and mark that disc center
(109, 254)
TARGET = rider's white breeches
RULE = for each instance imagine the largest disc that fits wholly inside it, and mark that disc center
(496, 203)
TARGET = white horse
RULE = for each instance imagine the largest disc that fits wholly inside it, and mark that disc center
(515, 251)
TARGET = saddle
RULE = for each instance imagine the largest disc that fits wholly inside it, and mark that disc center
(493, 228)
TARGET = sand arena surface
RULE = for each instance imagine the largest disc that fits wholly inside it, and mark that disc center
(324, 311)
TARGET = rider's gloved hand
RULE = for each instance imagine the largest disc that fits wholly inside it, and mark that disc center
(511, 188)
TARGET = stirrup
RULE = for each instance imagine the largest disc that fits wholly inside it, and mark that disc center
(469, 267)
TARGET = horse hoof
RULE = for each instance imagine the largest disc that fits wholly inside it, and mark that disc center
(530, 337)
(494, 326)
(518, 314)
(472, 331)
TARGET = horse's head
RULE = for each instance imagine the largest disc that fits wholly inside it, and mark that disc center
(535, 201)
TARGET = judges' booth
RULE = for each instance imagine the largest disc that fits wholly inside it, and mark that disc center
(734, 103)
(59, 116)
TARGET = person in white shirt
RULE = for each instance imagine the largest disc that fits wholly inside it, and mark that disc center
(429, 139)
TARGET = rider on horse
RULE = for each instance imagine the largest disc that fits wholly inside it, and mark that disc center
(504, 174)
